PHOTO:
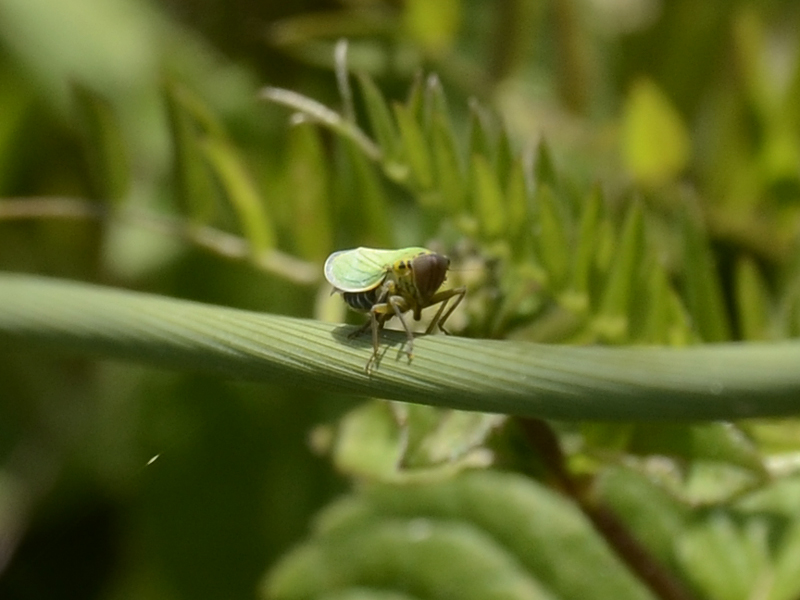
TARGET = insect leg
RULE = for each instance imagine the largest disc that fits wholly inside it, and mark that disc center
(360, 330)
(443, 298)
(398, 303)
(378, 315)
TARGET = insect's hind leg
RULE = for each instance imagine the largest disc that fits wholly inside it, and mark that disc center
(361, 330)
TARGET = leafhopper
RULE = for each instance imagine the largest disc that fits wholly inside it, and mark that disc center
(389, 283)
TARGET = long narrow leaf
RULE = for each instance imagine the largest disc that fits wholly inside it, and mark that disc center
(723, 381)
(242, 193)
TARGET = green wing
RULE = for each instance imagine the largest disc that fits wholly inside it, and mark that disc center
(362, 269)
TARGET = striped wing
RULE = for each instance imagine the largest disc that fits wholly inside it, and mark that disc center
(362, 269)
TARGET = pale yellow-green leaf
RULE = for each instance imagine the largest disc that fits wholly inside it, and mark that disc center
(655, 143)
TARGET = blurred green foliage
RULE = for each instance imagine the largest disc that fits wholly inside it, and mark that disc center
(613, 171)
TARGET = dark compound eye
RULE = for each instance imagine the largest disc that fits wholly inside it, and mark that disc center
(430, 271)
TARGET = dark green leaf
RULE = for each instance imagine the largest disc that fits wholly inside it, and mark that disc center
(752, 302)
(552, 237)
(190, 122)
(450, 176)
(105, 145)
(544, 169)
(380, 118)
(241, 192)
(415, 147)
(702, 287)
(612, 321)
(308, 176)
(490, 534)
(488, 199)
(577, 297)
(480, 137)
(370, 201)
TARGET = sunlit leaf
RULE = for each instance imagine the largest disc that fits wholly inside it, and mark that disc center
(433, 24)
(655, 143)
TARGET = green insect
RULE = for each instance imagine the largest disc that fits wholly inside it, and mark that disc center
(388, 283)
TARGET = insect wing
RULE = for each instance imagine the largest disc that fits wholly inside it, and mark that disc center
(362, 269)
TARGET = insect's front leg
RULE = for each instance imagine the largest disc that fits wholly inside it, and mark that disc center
(378, 315)
(443, 298)
(400, 305)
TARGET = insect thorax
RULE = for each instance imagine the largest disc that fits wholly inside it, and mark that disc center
(402, 273)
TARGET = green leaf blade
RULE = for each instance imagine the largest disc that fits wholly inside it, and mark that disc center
(724, 381)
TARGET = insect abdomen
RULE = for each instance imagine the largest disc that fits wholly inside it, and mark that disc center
(362, 301)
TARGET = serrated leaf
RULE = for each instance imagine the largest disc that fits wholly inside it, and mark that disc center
(488, 198)
(577, 297)
(715, 442)
(552, 238)
(505, 156)
(451, 439)
(380, 118)
(403, 443)
(415, 147)
(612, 321)
(436, 106)
(241, 192)
(653, 515)
(544, 169)
(665, 321)
(724, 557)
(518, 210)
(702, 287)
(752, 302)
(429, 559)
(371, 203)
(779, 502)
(415, 538)
(774, 436)
(105, 145)
(480, 138)
(369, 442)
(415, 102)
(449, 168)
